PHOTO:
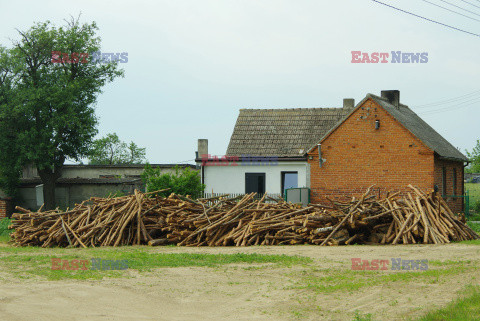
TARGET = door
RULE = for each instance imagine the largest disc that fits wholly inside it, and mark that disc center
(255, 183)
(289, 180)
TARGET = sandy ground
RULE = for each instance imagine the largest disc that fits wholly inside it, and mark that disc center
(239, 292)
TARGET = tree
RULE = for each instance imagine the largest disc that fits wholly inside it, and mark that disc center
(474, 157)
(110, 150)
(10, 155)
(183, 181)
(47, 107)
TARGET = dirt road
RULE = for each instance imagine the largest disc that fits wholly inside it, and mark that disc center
(247, 292)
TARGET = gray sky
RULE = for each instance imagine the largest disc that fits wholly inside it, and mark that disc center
(193, 64)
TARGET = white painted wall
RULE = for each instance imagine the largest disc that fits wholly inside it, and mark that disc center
(231, 179)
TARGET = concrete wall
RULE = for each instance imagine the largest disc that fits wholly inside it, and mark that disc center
(231, 179)
(96, 172)
(89, 171)
(28, 198)
(69, 195)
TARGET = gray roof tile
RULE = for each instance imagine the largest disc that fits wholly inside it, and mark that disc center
(423, 131)
(281, 132)
(285, 132)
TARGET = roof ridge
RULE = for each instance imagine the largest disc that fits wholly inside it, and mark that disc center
(421, 129)
(295, 108)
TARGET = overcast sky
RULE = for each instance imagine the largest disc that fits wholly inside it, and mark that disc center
(193, 64)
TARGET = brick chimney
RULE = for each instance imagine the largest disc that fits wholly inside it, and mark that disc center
(348, 103)
(393, 97)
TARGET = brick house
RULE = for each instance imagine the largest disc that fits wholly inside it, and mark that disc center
(267, 150)
(339, 152)
(383, 142)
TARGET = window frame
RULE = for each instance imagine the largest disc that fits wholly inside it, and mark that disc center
(282, 180)
(444, 181)
(454, 175)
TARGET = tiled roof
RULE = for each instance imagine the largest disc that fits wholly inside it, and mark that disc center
(414, 124)
(423, 131)
(281, 132)
(293, 132)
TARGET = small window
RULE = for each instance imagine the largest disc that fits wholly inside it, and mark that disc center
(454, 181)
(444, 181)
(289, 180)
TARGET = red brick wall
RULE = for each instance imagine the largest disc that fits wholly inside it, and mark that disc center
(358, 155)
(3, 209)
(455, 203)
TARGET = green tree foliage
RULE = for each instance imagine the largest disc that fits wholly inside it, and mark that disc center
(46, 108)
(474, 157)
(184, 181)
(110, 150)
(10, 152)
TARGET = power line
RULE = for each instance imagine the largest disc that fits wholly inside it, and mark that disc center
(449, 100)
(454, 106)
(432, 112)
(461, 14)
(471, 3)
(454, 5)
(421, 17)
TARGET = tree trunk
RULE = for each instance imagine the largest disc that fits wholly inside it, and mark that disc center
(49, 179)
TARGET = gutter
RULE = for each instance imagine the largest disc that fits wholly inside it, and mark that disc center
(251, 158)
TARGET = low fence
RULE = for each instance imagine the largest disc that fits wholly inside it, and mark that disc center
(271, 198)
(471, 201)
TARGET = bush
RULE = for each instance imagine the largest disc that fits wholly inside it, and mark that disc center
(476, 207)
(4, 231)
(474, 226)
(183, 181)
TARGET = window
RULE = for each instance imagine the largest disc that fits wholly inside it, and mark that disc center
(444, 181)
(255, 183)
(454, 181)
(289, 180)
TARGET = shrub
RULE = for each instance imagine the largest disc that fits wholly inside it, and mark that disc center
(4, 223)
(183, 181)
(476, 207)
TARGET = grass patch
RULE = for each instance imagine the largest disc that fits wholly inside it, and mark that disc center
(474, 226)
(362, 317)
(26, 264)
(474, 192)
(349, 280)
(471, 242)
(466, 308)
(4, 231)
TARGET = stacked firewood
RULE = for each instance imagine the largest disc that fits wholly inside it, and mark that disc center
(144, 218)
(415, 217)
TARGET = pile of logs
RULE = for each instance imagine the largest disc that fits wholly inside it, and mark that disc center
(144, 218)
